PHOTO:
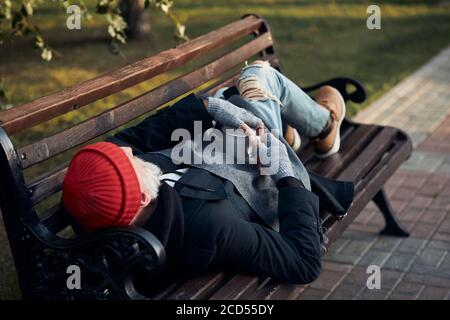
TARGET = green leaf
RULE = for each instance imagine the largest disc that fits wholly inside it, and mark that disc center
(111, 31)
(39, 41)
(28, 8)
(46, 54)
(180, 31)
(5, 10)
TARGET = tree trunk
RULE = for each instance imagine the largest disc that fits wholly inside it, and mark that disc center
(133, 13)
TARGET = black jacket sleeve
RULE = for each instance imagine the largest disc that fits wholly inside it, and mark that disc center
(154, 133)
(291, 255)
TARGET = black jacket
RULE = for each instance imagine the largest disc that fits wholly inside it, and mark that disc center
(220, 229)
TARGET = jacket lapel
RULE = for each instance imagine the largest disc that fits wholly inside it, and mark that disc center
(195, 183)
(200, 184)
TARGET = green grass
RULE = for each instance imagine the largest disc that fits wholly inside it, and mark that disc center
(316, 40)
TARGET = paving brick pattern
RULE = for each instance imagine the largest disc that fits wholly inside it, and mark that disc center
(417, 267)
(435, 143)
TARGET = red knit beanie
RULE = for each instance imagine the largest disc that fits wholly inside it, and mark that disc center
(101, 188)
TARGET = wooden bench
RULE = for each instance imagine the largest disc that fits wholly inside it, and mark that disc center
(42, 242)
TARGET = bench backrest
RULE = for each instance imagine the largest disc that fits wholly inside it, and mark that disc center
(30, 204)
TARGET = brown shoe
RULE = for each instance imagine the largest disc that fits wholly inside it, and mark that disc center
(332, 100)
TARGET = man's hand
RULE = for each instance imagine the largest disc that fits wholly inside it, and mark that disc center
(274, 159)
(230, 115)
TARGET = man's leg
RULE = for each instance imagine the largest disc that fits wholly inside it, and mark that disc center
(279, 99)
(284, 100)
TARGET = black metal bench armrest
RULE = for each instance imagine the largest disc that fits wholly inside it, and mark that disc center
(132, 248)
(341, 84)
(111, 254)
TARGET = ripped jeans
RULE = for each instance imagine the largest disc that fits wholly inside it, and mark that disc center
(275, 99)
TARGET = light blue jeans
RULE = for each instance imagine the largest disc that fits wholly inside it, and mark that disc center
(275, 99)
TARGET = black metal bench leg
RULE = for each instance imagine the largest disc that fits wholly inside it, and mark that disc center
(393, 227)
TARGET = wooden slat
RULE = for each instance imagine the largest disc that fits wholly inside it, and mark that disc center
(44, 187)
(48, 107)
(56, 221)
(210, 90)
(265, 289)
(230, 81)
(350, 148)
(166, 291)
(108, 120)
(239, 287)
(285, 292)
(199, 288)
(404, 150)
(370, 155)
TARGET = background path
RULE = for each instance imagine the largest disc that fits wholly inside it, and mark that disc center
(411, 268)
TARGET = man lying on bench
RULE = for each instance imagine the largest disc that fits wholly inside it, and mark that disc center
(258, 213)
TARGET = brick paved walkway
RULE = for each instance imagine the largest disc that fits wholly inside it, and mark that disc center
(411, 268)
